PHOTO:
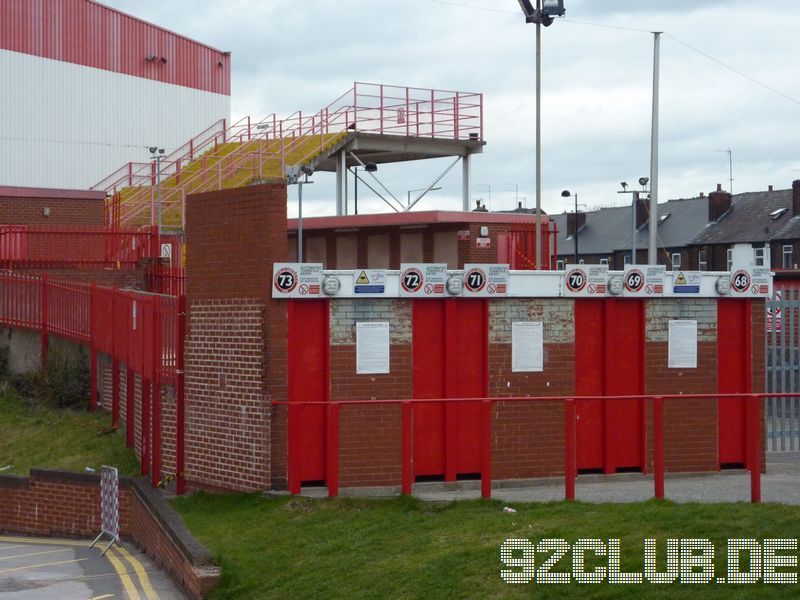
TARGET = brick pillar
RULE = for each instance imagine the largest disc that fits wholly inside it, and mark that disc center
(236, 339)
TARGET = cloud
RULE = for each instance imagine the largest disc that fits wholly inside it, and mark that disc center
(597, 82)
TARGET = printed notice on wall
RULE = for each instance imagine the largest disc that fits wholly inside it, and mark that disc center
(372, 348)
(682, 344)
(527, 347)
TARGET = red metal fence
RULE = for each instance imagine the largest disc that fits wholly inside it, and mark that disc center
(332, 419)
(47, 247)
(142, 330)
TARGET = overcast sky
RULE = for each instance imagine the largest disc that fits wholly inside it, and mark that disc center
(597, 86)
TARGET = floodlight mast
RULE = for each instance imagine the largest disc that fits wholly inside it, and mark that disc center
(540, 16)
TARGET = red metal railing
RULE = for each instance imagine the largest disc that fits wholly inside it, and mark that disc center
(366, 107)
(48, 247)
(144, 331)
(753, 429)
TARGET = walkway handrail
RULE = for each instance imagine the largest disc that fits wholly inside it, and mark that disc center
(333, 409)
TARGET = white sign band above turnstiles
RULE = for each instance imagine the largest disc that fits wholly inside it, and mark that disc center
(526, 284)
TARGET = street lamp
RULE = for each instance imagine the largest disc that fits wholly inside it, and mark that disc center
(157, 155)
(643, 181)
(540, 16)
(369, 168)
(293, 177)
(566, 194)
(426, 190)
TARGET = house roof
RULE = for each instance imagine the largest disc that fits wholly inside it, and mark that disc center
(750, 219)
(610, 229)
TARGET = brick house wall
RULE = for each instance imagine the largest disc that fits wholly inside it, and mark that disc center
(26, 206)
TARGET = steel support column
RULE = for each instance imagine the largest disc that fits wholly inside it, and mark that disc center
(341, 181)
(466, 183)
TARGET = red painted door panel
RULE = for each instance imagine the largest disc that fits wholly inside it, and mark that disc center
(429, 370)
(467, 348)
(624, 350)
(308, 382)
(732, 377)
(450, 361)
(589, 369)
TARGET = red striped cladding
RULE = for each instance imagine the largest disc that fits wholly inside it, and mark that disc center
(90, 34)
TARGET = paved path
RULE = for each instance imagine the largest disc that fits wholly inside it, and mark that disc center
(780, 484)
(33, 568)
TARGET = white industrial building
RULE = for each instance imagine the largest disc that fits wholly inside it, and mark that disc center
(87, 89)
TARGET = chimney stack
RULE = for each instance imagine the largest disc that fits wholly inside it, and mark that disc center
(769, 188)
(702, 194)
(796, 198)
(719, 202)
(574, 222)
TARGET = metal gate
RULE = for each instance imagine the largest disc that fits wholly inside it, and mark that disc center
(783, 370)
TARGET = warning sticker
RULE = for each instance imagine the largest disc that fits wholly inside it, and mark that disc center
(296, 280)
(686, 282)
(586, 280)
(751, 283)
(370, 282)
(644, 280)
(419, 280)
(485, 280)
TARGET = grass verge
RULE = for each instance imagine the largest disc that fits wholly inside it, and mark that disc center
(34, 436)
(404, 548)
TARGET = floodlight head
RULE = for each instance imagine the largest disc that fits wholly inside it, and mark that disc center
(643, 181)
(370, 167)
(552, 8)
(565, 194)
(624, 185)
(153, 149)
(307, 170)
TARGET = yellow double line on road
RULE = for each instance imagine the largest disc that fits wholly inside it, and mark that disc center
(117, 556)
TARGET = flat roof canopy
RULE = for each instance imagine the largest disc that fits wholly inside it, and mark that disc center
(381, 149)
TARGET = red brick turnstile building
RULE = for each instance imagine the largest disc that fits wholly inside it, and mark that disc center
(251, 345)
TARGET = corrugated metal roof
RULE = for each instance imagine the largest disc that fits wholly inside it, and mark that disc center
(749, 220)
(87, 33)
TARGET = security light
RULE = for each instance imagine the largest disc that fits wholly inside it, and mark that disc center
(565, 194)
(553, 8)
(370, 167)
(643, 181)
(307, 170)
(153, 149)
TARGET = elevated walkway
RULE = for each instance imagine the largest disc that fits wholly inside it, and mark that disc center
(376, 122)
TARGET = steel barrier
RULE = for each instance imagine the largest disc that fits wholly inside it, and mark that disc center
(142, 330)
(753, 434)
(59, 247)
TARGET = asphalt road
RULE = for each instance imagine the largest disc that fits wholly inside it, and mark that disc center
(33, 568)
